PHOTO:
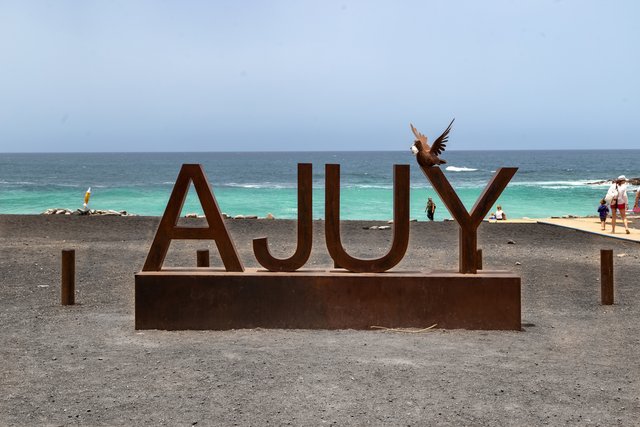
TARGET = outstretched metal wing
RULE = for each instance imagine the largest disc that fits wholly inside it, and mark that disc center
(420, 137)
(441, 143)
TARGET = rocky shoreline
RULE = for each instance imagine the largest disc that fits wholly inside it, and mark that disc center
(111, 212)
(630, 181)
(88, 212)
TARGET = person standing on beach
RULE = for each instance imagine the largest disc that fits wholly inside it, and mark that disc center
(619, 201)
(500, 215)
(603, 210)
(430, 209)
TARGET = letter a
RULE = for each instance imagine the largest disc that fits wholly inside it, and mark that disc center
(169, 230)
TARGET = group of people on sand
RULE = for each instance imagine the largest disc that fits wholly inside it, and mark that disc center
(499, 214)
(430, 209)
(618, 200)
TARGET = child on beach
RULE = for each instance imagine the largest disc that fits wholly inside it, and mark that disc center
(603, 210)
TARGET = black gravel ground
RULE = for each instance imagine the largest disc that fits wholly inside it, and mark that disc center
(575, 362)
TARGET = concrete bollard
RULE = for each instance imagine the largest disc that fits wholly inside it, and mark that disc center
(68, 285)
(606, 276)
(479, 260)
(203, 258)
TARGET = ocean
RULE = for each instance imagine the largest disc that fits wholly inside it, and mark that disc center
(548, 183)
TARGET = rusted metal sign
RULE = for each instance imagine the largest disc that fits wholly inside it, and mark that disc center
(284, 295)
(217, 231)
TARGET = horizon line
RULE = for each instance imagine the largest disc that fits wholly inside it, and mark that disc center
(299, 151)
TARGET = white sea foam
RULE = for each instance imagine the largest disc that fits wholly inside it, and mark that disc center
(460, 169)
(252, 185)
(39, 184)
(18, 183)
(561, 184)
(383, 187)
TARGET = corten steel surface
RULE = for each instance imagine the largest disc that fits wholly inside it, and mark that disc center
(188, 299)
(606, 276)
(68, 277)
(468, 223)
(202, 258)
(305, 229)
(169, 230)
(400, 223)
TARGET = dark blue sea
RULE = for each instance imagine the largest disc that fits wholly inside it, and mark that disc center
(548, 183)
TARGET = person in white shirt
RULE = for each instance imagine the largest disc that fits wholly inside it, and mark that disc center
(500, 215)
(619, 202)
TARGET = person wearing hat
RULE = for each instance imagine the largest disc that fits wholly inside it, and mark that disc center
(619, 201)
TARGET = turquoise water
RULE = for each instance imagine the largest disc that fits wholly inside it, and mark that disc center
(548, 183)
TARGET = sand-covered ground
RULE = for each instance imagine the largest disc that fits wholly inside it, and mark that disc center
(576, 362)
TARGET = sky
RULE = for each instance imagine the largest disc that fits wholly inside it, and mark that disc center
(134, 75)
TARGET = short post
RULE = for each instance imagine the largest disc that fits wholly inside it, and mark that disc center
(606, 276)
(68, 288)
(203, 258)
(479, 259)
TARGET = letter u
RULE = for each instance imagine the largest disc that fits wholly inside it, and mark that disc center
(400, 223)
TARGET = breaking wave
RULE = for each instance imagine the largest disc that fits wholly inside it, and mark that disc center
(560, 184)
(271, 185)
(460, 169)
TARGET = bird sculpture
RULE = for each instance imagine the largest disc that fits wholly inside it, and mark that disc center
(428, 156)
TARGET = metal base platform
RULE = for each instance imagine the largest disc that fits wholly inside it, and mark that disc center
(207, 299)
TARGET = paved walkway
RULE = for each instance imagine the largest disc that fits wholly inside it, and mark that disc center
(592, 225)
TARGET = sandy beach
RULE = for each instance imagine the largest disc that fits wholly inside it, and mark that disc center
(574, 363)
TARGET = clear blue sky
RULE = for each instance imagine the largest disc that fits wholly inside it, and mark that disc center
(317, 75)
